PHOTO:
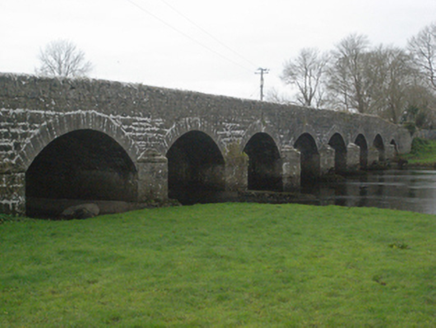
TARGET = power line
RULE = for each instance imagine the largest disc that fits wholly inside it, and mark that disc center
(185, 35)
(209, 34)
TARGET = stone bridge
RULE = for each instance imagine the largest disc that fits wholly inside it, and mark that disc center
(92, 140)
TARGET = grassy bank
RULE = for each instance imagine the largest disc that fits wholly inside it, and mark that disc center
(423, 153)
(221, 265)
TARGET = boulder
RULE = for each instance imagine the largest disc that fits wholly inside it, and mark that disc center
(82, 211)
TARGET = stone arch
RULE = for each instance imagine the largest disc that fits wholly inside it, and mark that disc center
(187, 125)
(69, 122)
(380, 146)
(264, 164)
(306, 129)
(259, 127)
(196, 168)
(363, 145)
(310, 158)
(337, 142)
(335, 130)
(83, 165)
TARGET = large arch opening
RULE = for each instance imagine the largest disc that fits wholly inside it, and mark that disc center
(379, 145)
(338, 144)
(196, 168)
(310, 159)
(83, 165)
(361, 142)
(264, 169)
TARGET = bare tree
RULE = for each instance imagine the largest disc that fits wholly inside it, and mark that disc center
(347, 85)
(423, 49)
(62, 58)
(338, 86)
(391, 77)
(306, 73)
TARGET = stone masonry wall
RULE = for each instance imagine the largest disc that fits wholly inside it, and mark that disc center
(34, 111)
(155, 117)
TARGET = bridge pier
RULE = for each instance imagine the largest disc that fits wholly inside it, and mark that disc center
(152, 177)
(13, 193)
(373, 155)
(236, 170)
(291, 168)
(327, 159)
(353, 157)
(390, 152)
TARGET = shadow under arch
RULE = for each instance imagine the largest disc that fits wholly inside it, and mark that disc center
(338, 144)
(264, 165)
(361, 142)
(310, 158)
(380, 146)
(196, 168)
(82, 165)
(393, 143)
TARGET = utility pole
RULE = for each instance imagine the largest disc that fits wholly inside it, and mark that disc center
(261, 72)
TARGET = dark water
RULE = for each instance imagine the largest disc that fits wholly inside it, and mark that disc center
(410, 190)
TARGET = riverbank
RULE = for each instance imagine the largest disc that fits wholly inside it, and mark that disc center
(422, 155)
(221, 265)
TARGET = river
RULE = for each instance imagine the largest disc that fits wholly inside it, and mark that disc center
(410, 190)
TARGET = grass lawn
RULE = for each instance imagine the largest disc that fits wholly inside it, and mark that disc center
(423, 152)
(221, 265)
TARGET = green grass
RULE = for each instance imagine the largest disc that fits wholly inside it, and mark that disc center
(221, 265)
(423, 152)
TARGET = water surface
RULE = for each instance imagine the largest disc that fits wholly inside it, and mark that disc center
(410, 190)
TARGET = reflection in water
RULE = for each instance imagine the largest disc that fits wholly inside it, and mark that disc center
(411, 190)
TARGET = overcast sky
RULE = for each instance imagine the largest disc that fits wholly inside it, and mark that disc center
(208, 46)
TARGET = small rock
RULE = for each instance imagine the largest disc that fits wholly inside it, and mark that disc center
(82, 211)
